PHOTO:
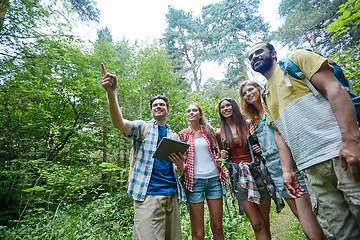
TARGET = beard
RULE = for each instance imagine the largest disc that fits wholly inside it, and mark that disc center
(264, 66)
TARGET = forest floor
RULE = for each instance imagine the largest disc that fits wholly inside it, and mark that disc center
(285, 225)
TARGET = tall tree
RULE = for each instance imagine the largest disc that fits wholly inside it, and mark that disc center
(23, 20)
(222, 33)
(86, 9)
(47, 100)
(230, 26)
(182, 39)
(306, 22)
(105, 34)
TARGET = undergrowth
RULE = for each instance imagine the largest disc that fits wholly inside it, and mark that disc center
(111, 217)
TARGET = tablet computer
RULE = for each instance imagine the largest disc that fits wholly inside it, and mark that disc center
(168, 146)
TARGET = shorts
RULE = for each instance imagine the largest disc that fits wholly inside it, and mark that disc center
(335, 199)
(157, 217)
(210, 188)
(274, 167)
(264, 194)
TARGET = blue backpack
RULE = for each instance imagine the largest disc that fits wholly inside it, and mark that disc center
(290, 68)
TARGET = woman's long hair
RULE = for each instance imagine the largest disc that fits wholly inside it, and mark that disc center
(248, 109)
(208, 128)
(239, 120)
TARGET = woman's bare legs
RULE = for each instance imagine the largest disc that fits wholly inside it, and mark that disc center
(259, 217)
(216, 218)
(197, 220)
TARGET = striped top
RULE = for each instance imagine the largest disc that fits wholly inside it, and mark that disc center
(306, 122)
(140, 176)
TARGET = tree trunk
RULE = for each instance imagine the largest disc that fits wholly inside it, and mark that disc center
(314, 40)
(310, 42)
(345, 45)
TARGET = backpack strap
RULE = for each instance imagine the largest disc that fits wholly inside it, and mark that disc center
(291, 69)
(264, 91)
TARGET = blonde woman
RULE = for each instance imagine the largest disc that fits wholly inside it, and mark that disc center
(204, 177)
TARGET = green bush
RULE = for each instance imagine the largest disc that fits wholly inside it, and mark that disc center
(108, 217)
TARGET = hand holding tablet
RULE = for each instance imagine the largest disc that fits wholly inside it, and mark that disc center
(168, 146)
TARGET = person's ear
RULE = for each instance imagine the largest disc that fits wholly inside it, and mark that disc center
(274, 54)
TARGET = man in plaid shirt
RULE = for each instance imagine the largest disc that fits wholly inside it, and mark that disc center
(153, 183)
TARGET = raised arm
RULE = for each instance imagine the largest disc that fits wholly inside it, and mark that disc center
(291, 181)
(109, 83)
(342, 106)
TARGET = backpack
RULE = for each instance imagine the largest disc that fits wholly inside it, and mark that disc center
(135, 150)
(291, 69)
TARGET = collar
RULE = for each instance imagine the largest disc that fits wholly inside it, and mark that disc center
(155, 123)
(202, 129)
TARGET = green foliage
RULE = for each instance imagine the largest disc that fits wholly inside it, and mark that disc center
(344, 26)
(306, 23)
(86, 9)
(349, 60)
(104, 33)
(348, 20)
(63, 167)
(25, 20)
(222, 34)
(109, 216)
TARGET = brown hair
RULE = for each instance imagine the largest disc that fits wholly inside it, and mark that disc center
(208, 128)
(267, 45)
(242, 128)
(162, 97)
(249, 109)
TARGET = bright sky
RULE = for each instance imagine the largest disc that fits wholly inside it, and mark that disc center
(144, 20)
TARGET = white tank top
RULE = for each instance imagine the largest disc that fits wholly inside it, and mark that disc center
(204, 166)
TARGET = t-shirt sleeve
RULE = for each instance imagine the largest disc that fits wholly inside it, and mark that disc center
(308, 62)
(135, 129)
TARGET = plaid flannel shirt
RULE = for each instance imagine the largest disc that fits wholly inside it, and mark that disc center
(140, 177)
(247, 181)
(190, 157)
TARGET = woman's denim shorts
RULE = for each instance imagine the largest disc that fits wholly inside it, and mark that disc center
(210, 188)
